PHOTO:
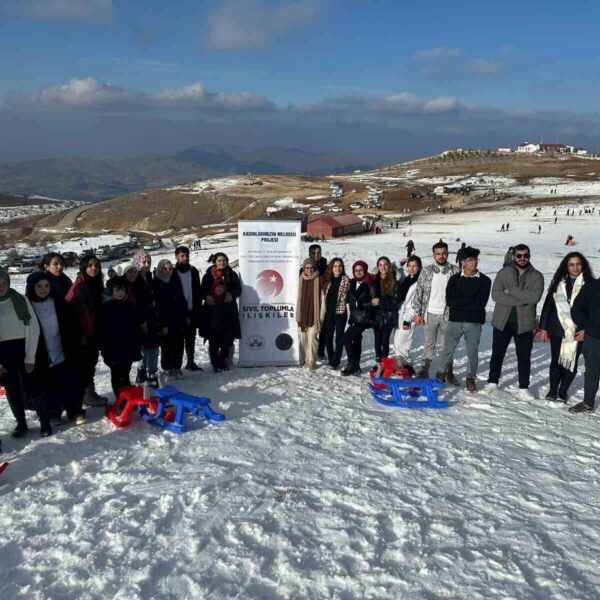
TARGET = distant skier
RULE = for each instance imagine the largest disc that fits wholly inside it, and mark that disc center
(539, 229)
(410, 248)
(555, 219)
(502, 228)
(460, 253)
(507, 226)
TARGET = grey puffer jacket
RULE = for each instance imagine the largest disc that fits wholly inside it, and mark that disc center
(522, 292)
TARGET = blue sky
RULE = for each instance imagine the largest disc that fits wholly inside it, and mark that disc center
(296, 72)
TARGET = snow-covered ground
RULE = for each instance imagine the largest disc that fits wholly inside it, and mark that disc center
(311, 490)
(209, 185)
(31, 208)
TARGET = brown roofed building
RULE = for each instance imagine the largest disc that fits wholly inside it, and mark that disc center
(553, 148)
(335, 226)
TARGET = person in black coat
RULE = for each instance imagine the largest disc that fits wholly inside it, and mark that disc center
(361, 315)
(192, 291)
(385, 299)
(334, 312)
(221, 287)
(586, 316)
(573, 273)
(172, 311)
(120, 336)
(467, 294)
(143, 289)
(60, 343)
(54, 265)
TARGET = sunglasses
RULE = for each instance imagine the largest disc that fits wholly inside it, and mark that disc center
(521, 255)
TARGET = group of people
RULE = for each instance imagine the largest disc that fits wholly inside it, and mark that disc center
(449, 302)
(51, 337)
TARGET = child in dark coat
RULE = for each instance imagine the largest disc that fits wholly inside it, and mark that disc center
(220, 318)
(120, 335)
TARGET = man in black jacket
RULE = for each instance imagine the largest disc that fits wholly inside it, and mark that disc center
(586, 316)
(190, 282)
(467, 294)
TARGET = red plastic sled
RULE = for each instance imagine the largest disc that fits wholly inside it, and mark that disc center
(129, 398)
(389, 368)
(3, 467)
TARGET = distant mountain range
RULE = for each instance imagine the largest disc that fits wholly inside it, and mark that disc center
(93, 180)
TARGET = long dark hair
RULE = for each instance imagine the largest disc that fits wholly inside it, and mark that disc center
(388, 284)
(562, 272)
(329, 270)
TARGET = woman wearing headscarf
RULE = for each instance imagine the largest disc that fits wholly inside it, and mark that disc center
(308, 311)
(19, 335)
(557, 325)
(58, 349)
(54, 265)
(361, 315)
(385, 293)
(86, 296)
(333, 310)
(406, 327)
(142, 289)
(171, 307)
(220, 323)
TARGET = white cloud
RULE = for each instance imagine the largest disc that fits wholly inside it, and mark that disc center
(59, 9)
(78, 93)
(240, 24)
(82, 115)
(485, 67)
(88, 93)
(453, 63)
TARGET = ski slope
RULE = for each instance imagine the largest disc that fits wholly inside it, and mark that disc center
(311, 490)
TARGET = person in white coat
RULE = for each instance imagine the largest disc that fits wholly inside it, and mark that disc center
(404, 334)
(19, 335)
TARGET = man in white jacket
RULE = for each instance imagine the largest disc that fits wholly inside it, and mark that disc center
(430, 303)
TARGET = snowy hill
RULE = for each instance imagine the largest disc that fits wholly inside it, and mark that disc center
(311, 490)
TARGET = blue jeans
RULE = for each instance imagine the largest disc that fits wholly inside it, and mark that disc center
(150, 360)
(472, 333)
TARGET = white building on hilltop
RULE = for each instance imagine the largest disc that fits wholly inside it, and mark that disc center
(528, 147)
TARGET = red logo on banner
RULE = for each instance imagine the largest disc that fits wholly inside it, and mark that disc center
(269, 283)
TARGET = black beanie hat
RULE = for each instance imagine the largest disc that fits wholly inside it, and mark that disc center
(469, 252)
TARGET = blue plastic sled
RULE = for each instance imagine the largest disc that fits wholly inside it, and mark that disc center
(407, 393)
(183, 404)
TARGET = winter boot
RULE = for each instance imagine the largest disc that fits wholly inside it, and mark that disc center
(142, 375)
(582, 407)
(20, 430)
(423, 372)
(91, 398)
(192, 366)
(351, 370)
(80, 418)
(45, 429)
(450, 378)
(471, 385)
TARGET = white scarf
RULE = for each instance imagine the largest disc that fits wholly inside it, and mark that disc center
(568, 346)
